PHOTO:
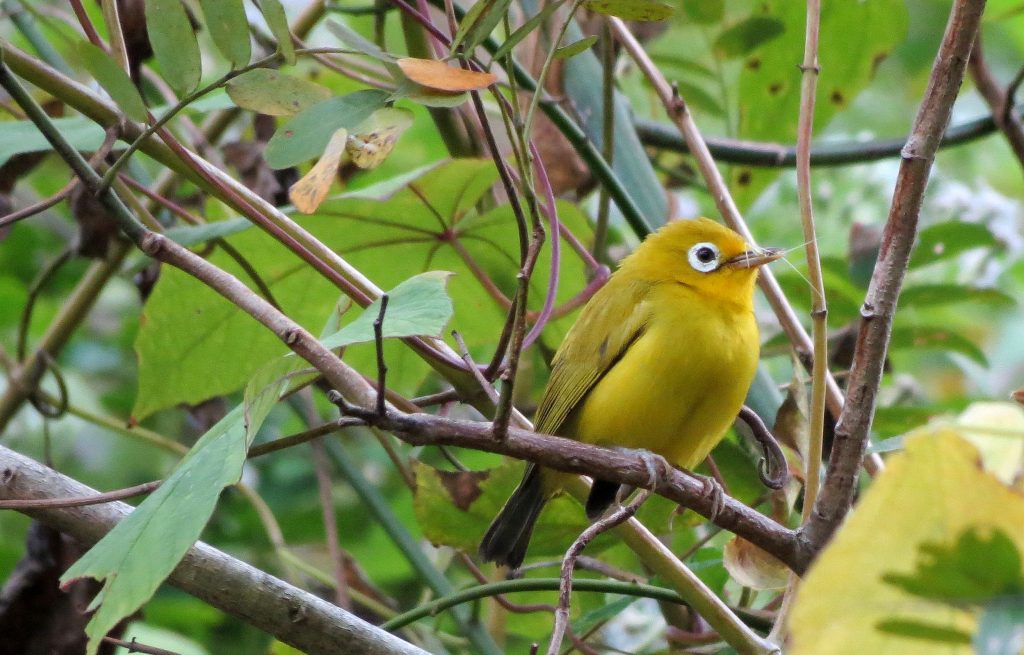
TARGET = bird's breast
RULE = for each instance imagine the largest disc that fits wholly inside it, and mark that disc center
(678, 387)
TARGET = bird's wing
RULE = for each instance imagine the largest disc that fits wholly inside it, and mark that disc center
(613, 319)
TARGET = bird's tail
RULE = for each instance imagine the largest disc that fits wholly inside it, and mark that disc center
(506, 540)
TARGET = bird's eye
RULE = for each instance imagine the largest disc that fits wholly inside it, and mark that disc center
(703, 257)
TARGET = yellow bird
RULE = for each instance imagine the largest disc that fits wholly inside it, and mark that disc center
(660, 359)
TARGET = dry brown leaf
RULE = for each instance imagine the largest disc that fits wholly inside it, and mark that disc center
(310, 191)
(439, 75)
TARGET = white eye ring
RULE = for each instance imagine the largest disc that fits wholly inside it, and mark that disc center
(703, 257)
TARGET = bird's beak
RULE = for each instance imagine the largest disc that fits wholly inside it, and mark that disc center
(754, 258)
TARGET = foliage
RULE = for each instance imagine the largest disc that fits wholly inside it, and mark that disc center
(391, 129)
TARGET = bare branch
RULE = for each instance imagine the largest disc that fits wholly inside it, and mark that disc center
(289, 614)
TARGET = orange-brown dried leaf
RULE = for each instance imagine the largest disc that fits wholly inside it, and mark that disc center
(439, 75)
(310, 191)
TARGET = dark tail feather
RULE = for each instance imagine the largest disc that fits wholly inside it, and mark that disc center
(506, 540)
(602, 495)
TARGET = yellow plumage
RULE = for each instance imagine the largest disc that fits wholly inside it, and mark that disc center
(660, 359)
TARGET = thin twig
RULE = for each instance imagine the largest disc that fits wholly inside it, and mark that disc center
(39, 207)
(324, 486)
(998, 100)
(607, 44)
(82, 501)
(819, 310)
(772, 468)
(302, 437)
(569, 562)
(471, 366)
(86, 23)
(134, 646)
(378, 342)
(439, 398)
(1011, 93)
(42, 278)
(516, 608)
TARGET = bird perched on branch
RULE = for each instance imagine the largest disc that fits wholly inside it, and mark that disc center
(660, 359)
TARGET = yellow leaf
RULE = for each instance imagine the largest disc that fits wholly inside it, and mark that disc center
(372, 142)
(439, 75)
(997, 431)
(310, 191)
(931, 493)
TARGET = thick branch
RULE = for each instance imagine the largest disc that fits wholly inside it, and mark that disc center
(607, 464)
(851, 433)
(289, 614)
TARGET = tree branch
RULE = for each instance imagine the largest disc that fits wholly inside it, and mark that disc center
(777, 155)
(607, 464)
(289, 614)
(997, 98)
(851, 433)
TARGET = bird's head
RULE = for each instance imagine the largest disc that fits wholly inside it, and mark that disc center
(709, 258)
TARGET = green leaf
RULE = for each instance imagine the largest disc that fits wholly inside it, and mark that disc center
(420, 306)
(747, 35)
(141, 551)
(304, 137)
(23, 136)
(704, 12)
(999, 628)
(478, 23)
(428, 97)
(190, 235)
(974, 570)
(923, 630)
(930, 295)
(277, 21)
(855, 38)
(455, 508)
(114, 81)
(272, 92)
(229, 29)
(949, 239)
(192, 344)
(354, 40)
(523, 30)
(174, 44)
(699, 98)
(938, 338)
(644, 10)
(601, 614)
(576, 48)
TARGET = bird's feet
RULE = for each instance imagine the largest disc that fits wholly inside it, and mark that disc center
(714, 492)
(657, 467)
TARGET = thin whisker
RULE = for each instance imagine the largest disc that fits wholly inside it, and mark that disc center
(796, 270)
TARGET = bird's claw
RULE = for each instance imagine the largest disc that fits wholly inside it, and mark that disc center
(713, 490)
(657, 467)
